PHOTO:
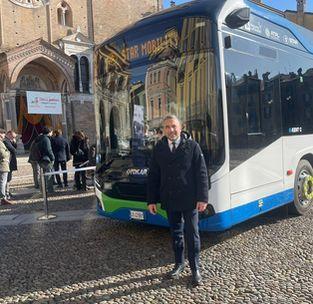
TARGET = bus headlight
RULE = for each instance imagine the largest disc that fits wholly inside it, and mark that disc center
(107, 186)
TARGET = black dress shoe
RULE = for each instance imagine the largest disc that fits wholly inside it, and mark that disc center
(196, 278)
(178, 269)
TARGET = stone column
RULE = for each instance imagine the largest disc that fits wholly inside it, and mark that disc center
(79, 74)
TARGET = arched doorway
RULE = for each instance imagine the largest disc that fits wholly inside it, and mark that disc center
(39, 75)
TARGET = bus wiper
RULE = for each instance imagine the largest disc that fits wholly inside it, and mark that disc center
(103, 167)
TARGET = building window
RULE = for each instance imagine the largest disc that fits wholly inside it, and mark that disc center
(76, 73)
(152, 109)
(65, 16)
(101, 68)
(120, 83)
(160, 105)
(85, 77)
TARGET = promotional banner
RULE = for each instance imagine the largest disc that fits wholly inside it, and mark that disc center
(44, 103)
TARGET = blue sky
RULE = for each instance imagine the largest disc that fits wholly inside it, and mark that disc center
(279, 4)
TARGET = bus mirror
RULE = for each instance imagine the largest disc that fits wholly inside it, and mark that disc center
(238, 18)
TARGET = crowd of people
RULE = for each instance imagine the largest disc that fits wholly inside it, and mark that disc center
(49, 151)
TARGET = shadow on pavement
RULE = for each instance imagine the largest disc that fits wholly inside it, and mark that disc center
(96, 257)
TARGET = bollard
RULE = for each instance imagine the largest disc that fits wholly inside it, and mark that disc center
(46, 216)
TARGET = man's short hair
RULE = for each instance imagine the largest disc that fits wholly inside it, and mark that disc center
(46, 130)
(11, 132)
(2, 131)
(170, 116)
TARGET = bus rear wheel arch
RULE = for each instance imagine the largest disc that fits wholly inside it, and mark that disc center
(303, 188)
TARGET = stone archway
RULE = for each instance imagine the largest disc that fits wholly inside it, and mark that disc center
(44, 76)
(36, 66)
(43, 65)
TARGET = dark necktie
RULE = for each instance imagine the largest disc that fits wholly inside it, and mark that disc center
(173, 147)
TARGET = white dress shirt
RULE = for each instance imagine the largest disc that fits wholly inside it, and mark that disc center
(170, 143)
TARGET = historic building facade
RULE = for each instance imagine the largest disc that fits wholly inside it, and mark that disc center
(47, 46)
(300, 16)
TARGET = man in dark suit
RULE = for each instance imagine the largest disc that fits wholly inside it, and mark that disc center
(47, 157)
(178, 179)
(61, 151)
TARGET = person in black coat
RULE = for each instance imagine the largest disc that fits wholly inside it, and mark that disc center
(10, 143)
(47, 157)
(178, 179)
(80, 151)
(61, 151)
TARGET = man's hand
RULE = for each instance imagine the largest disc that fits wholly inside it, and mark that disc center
(201, 206)
(152, 208)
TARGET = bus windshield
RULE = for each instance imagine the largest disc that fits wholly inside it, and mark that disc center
(144, 75)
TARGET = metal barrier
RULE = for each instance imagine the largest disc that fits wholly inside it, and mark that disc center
(48, 216)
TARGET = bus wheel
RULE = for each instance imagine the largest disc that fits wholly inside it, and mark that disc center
(303, 188)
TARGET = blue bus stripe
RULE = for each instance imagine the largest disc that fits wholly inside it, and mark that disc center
(219, 221)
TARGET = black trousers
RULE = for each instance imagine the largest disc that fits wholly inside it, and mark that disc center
(184, 225)
(57, 165)
(80, 179)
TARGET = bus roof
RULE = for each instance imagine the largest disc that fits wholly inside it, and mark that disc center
(211, 9)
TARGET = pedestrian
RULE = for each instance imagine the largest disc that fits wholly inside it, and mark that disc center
(80, 151)
(33, 159)
(47, 157)
(61, 151)
(178, 179)
(4, 168)
(41, 156)
(10, 143)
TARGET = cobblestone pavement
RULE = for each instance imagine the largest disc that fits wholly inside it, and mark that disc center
(266, 260)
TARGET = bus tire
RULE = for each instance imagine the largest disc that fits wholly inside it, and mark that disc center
(303, 189)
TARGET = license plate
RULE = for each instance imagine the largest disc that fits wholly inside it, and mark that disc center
(137, 215)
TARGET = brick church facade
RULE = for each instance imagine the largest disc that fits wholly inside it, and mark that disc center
(47, 46)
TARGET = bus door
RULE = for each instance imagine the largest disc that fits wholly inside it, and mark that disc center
(254, 121)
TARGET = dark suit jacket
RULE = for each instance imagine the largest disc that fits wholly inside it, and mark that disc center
(11, 146)
(178, 180)
(45, 148)
(80, 150)
(60, 148)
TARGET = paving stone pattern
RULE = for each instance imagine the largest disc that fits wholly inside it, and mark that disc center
(265, 260)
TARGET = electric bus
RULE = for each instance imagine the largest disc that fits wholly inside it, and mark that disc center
(240, 78)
